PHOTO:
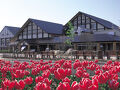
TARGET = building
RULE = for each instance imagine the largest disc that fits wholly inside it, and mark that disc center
(36, 35)
(91, 33)
(6, 34)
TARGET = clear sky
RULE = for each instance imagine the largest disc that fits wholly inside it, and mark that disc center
(16, 12)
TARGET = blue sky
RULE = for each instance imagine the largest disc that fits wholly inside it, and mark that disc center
(16, 12)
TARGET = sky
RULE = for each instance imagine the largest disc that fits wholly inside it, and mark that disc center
(16, 12)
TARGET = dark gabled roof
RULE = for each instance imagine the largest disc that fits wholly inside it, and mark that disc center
(83, 38)
(96, 38)
(12, 29)
(88, 38)
(49, 27)
(106, 23)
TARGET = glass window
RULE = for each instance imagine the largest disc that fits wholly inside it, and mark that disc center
(93, 25)
(100, 26)
(92, 21)
(29, 27)
(38, 27)
(75, 22)
(35, 31)
(83, 16)
(29, 31)
(34, 35)
(39, 35)
(39, 31)
(34, 26)
(88, 26)
(20, 36)
(7, 41)
(83, 21)
(50, 35)
(29, 36)
(87, 20)
(30, 23)
(25, 36)
(45, 34)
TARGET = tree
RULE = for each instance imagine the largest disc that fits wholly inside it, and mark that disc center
(70, 34)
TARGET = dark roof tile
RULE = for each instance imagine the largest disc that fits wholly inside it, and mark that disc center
(49, 27)
(12, 29)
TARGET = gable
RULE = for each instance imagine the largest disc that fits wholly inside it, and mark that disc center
(49, 27)
(91, 22)
(5, 33)
(32, 31)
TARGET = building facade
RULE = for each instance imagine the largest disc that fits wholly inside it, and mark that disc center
(6, 34)
(91, 33)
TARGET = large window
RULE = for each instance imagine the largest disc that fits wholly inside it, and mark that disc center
(35, 30)
(20, 36)
(2, 41)
(45, 34)
(93, 26)
(7, 41)
(32, 31)
(25, 33)
(39, 33)
(100, 27)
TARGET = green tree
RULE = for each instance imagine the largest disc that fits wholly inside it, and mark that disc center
(70, 34)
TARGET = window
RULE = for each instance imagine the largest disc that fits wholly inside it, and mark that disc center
(25, 36)
(75, 22)
(79, 20)
(34, 26)
(34, 35)
(92, 21)
(45, 34)
(83, 16)
(20, 36)
(88, 26)
(87, 20)
(29, 31)
(100, 26)
(7, 41)
(39, 35)
(29, 27)
(93, 26)
(35, 31)
(50, 35)
(39, 31)
(29, 36)
(2, 41)
(30, 24)
(83, 21)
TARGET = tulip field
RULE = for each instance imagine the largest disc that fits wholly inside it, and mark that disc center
(59, 75)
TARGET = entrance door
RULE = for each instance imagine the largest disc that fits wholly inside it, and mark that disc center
(100, 54)
(43, 47)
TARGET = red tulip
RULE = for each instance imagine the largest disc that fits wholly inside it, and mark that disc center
(66, 79)
(63, 86)
(60, 73)
(96, 61)
(42, 86)
(75, 86)
(113, 84)
(28, 80)
(46, 74)
(39, 79)
(101, 79)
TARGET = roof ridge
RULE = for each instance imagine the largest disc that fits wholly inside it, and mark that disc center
(45, 21)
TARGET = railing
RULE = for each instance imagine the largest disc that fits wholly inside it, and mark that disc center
(52, 55)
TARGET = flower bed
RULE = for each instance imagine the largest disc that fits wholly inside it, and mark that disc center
(46, 75)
